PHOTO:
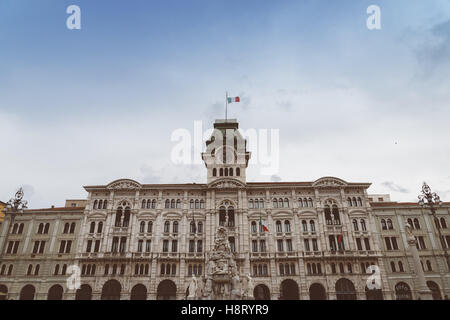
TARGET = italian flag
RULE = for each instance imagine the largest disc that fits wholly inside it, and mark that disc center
(233, 99)
(339, 239)
(263, 225)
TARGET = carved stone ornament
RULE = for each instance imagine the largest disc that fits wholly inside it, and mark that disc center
(329, 182)
(124, 185)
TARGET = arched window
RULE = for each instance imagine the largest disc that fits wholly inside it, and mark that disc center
(105, 204)
(280, 203)
(56, 270)
(118, 217)
(327, 212)
(308, 268)
(15, 227)
(409, 221)
(202, 204)
(214, 172)
(389, 224)
(166, 226)
(275, 203)
(167, 204)
(250, 204)
(355, 225)
(281, 267)
(312, 225)
(191, 204)
(175, 227)
(192, 227)
(100, 204)
(163, 268)
(287, 226)
(231, 172)
(256, 204)
(429, 267)
(95, 204)
(335, 212)
(21, 228)
(197, 204)
(36, 270)
(72, 227)
(443, 223)
(310, 202)
(333, 268)
(363, 225)
(300, 203)
(349, 201)
(304, 226)
(349, 267)
(286, 202)
(142, 227)
(238, 172)
(359, 202)
(153, 204)
(261, 203)
(393, 266)
(178, 204)
(30, 269)
(383, 224)
(400, 267)
(200, 227)
(172, 204)
(100, 227)
(253, 227)
(226, 172)
(355, 204)
(92, 228)
(416, 224)
(149, 227)
(221, 172)
(40, 228)
(66, 228)
(341, 268)
(278, 226)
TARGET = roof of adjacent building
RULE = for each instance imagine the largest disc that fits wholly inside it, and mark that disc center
(400, 204)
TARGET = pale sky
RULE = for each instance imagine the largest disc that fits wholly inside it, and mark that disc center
(84, 107)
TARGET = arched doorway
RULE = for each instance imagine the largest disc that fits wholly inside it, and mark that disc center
(167, 290)
(374, 294)
(317, 292)
(27, 292)
(84, 293)
(3, 292)
(403, 291)
(345, 290)
(139, 292)
(55, 292)
(436, 292)
(261, 292)
(111, 290)
(289, 290)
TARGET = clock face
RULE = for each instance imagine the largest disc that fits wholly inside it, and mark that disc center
(225, 155)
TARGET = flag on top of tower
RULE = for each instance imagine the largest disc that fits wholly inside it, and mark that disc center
(233, 99)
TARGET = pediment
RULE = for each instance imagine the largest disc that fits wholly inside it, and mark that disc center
(146, 215)
(226, 183)
(172, 215)
(329, 182)
(124, 184)
(282, 214)
(97, 215)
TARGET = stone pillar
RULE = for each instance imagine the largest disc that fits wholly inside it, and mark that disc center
(424, 291)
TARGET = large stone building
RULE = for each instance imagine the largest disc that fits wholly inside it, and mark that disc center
(145, 241)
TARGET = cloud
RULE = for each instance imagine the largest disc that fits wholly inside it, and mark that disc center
(275, 178)
(394, 187)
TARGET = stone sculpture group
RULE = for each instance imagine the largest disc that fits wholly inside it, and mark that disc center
(221, 280)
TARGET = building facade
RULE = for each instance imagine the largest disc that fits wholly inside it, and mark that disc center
(297, 240)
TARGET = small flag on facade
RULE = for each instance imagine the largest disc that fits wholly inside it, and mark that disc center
(263, 225)
(233, 99)
(339, 239)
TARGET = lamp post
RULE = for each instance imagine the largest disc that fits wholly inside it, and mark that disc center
(429, 200)
(14, 206)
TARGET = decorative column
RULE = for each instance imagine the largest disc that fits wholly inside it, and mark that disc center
(424, 291)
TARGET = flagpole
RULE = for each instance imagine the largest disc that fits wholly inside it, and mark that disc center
(226, 106)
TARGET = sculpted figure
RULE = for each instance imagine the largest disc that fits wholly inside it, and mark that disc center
(250, 287)
(235, 287)
(208, 290)
(192, 288)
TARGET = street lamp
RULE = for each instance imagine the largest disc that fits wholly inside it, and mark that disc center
(14, 206)
(429, 200)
